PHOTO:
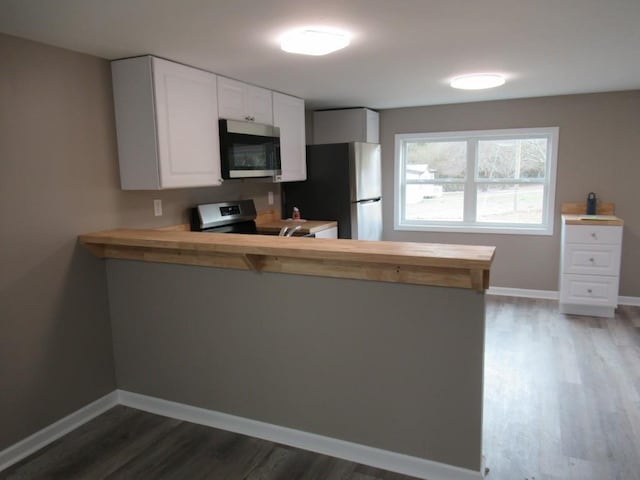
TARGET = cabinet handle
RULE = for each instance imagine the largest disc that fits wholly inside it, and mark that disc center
(593, 234)
(591, 260)
(589, 291)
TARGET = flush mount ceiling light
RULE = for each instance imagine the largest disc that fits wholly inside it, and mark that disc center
(478, 81)
(314, 40)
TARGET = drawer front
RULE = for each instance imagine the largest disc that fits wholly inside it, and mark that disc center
(593, 234)
(589, 290)
(591, 259)
(328, 233)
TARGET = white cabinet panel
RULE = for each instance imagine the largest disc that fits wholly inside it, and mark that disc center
(288, 115)
(328, 233)
(167, 124)
(589, 289)
(593, 234)
(592, 259)
(187, 121)
(240, 101)
(231, 99)
(260, 105)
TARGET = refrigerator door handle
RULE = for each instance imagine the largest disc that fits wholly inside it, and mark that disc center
(369, 200)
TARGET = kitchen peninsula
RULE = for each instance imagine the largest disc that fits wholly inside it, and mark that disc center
(462, 266)
(361, 342)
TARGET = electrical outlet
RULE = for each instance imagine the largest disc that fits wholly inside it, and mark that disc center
(270, 196)
(157, 208)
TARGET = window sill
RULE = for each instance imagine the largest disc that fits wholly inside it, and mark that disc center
(546, 230)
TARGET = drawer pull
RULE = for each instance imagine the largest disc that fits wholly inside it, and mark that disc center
(592, 260)
(593, 234)
(590, 291)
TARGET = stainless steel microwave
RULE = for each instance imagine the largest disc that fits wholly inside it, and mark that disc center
(249, 150)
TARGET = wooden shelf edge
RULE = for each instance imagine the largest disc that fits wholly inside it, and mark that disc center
(477, 279)
(402, 253)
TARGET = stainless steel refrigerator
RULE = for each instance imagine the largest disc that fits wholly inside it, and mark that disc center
(344, 184)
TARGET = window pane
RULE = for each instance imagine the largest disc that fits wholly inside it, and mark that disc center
(509, 203)
(435, 202)
(516, 158)
(435, 160)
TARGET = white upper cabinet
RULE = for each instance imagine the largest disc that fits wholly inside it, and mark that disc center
(346, 125)
(288, 115)
(167, 124)
(240, 101)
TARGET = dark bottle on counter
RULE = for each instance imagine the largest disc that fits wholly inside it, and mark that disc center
(591, 203)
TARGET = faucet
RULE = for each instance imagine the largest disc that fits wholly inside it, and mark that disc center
(288, 231)
(293, 230)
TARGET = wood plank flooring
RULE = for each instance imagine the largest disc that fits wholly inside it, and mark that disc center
(562, 402)
(562, 393)
(124, 443)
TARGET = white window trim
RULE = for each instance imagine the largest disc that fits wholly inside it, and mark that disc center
(548, 213)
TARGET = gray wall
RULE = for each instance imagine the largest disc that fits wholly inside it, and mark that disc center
(398, 367)
(58, 179)
(598, 151)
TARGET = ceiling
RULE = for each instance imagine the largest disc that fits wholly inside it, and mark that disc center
(403, 52)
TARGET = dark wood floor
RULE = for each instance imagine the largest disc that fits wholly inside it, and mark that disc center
(562, 393)
(129, 444)
(562, 402)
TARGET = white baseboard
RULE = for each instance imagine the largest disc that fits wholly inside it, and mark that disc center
(42, 438)
(374, 457)
(549, 295)
(523, 292)
(631, 301)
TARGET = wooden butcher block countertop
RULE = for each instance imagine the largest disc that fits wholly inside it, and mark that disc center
(592, 220)
(461, 266)
(575, 214)
(306, 226)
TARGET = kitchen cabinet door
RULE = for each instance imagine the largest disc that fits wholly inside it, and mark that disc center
(187, 122)
(240, 101)
(167, 124)
(288, 115)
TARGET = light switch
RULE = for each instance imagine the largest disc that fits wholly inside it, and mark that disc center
(270, 196)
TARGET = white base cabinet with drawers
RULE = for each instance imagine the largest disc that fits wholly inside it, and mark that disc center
(590, 269)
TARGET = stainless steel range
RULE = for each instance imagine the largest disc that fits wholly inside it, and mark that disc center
(231, 217)
(225, 217)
